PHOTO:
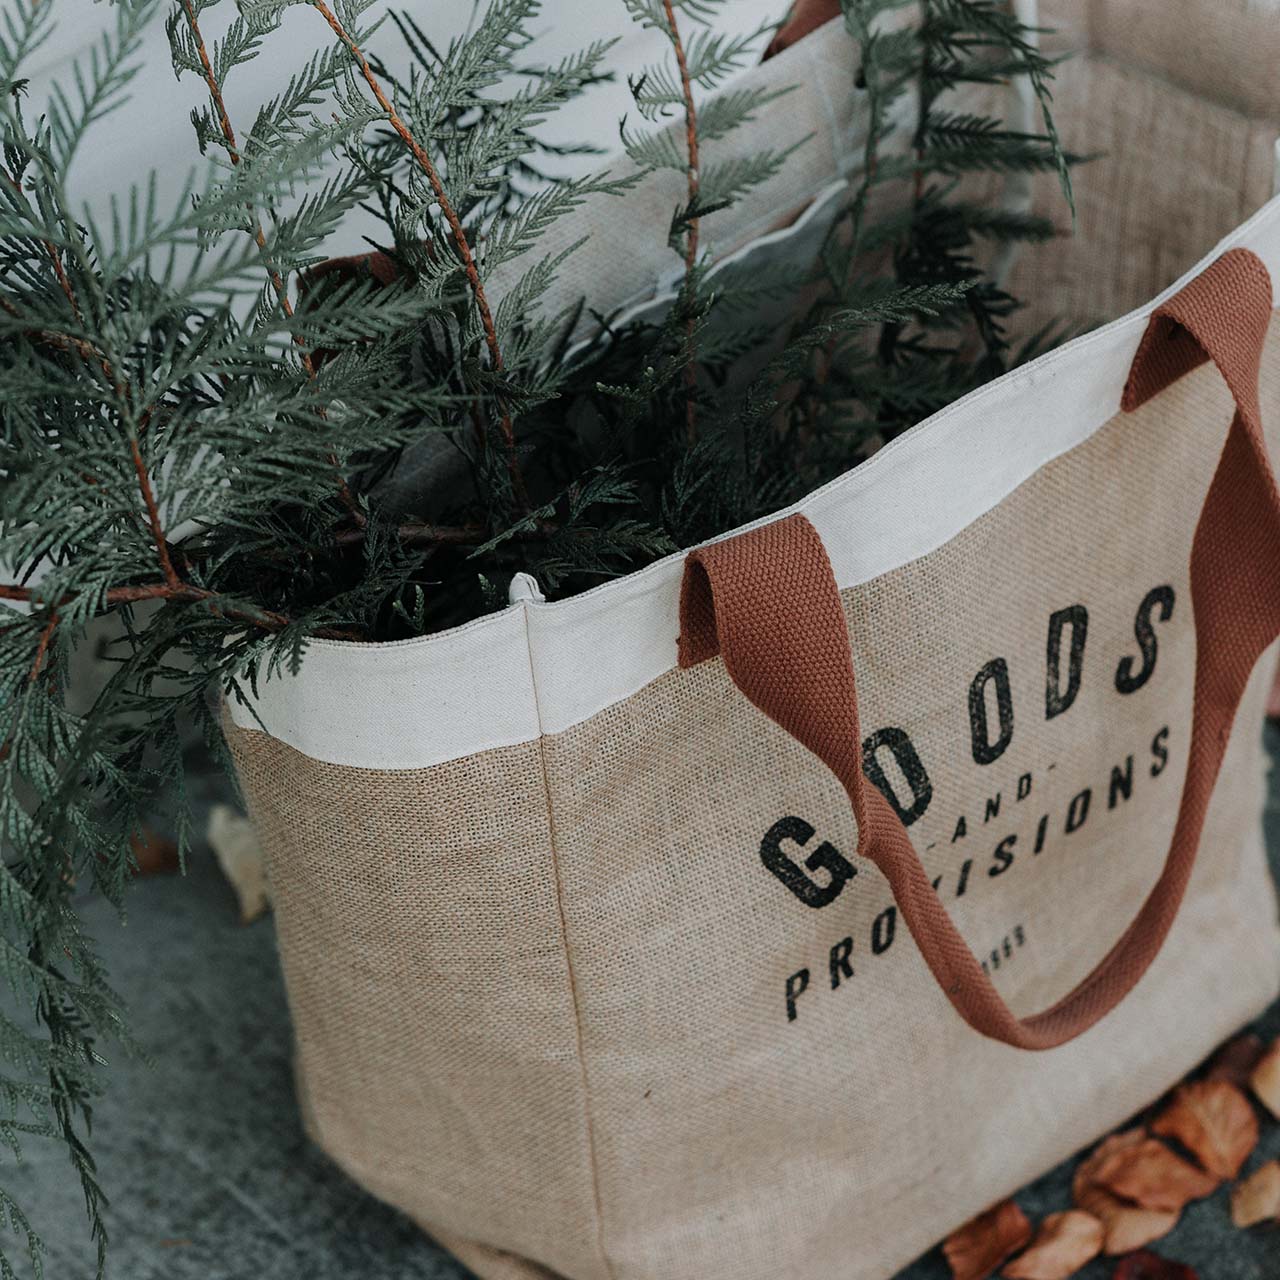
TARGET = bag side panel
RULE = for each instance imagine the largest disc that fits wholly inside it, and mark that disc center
(436, 1035)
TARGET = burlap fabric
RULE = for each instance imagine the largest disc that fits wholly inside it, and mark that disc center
(1178, 101)
(622, 1002)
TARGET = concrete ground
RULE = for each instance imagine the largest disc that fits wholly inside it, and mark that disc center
(211, 1177)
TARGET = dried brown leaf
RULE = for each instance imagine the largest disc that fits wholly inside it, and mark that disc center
(1151, 1266)
(1127, 1226)
(1087, 1170)
(977, 1249)
(1215, 1122)
(1150, 1174)
(1257, 1198)
(1064, 1243)
(1265, 1080)
(1236, 1060)
(153, 854)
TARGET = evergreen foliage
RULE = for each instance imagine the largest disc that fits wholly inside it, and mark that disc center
(202, 436)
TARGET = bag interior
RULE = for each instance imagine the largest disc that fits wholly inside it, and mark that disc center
(1178, 101)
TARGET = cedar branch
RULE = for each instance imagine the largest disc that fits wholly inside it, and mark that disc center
(259, 236)
(459, 235)
(144, 480)
(233, 151)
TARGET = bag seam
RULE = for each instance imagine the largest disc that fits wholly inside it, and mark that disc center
(593, 1166)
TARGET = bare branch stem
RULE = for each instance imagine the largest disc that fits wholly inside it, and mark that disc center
(153, 515)
(42, 648)
(424, 535)
(180, 591)
(691, 232)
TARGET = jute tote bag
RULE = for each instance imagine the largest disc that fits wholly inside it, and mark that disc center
(769, 912)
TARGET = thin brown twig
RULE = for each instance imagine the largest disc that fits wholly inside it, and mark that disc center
(180, 591)
(42, 648)
(153, 515)
(459, 235)
(115, 595)
(424, 535)
(260, 238)
(691, 232)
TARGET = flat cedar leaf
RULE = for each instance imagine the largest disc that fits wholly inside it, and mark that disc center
(1063, 1244)
(1127, 1226)
(977, 1249)
(1257, 1198)
(1236, 1060)
(1215, 1122)
(1154, 1176)
(1265, 1080)
(1151, 1266)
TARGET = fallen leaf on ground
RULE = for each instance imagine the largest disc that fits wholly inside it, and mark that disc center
(1257, 1198)
(1215, 1122)
(1152, 1175)
(1064, 1243)
(1265, 1080)
(154, 854)
(1236, 1060)
(1151, 1266)
(235, 844)
(1087, 1170)
(977, 1249)
(1128, 1226)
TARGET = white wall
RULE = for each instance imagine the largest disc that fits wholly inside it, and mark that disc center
(153, 131)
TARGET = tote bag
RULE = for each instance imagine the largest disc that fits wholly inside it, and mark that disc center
(772, 910)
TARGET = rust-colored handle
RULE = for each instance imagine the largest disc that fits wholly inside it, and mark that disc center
(742, 598)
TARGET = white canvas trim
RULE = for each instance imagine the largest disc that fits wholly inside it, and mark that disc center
(419, 702)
